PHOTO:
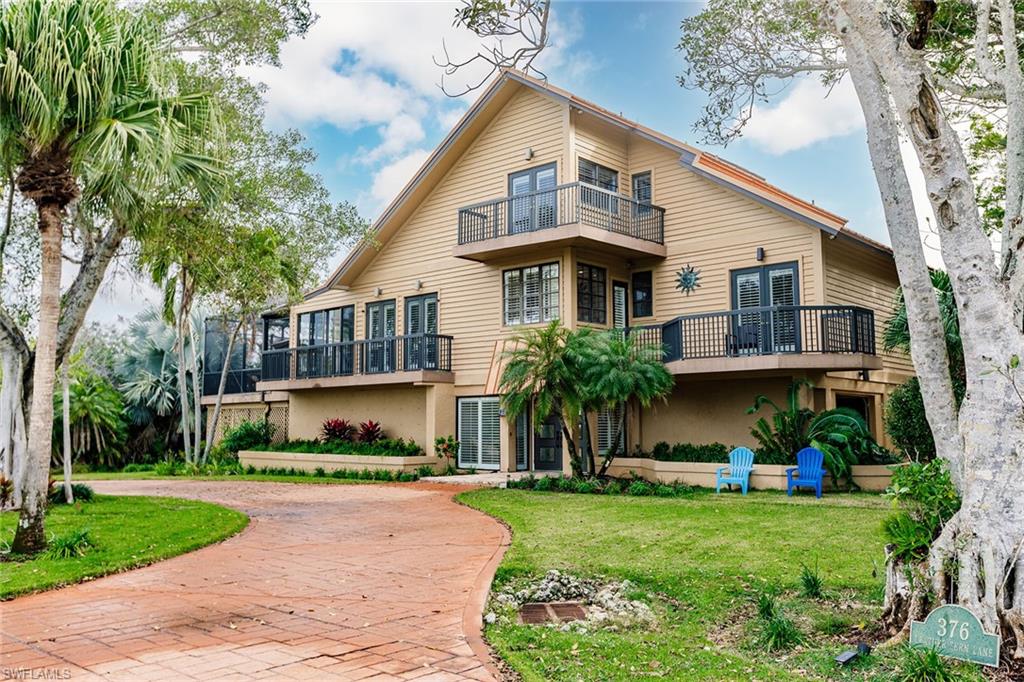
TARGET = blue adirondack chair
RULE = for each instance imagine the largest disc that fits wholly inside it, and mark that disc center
(741, 463)
(808, 472)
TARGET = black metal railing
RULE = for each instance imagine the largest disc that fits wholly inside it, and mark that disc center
(361, 357)
(238, 381)
(575, 202)
(770, 330)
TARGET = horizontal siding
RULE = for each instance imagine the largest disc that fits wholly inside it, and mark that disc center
(469, 293)
(855, 275)
(716, 230)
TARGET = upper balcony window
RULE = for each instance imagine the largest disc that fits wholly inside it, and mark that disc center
(531, 294)
(319, 327)
(598, 175)
(591, 294)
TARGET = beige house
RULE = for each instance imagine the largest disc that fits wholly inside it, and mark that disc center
(539, 205)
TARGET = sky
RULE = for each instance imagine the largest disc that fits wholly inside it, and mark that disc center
(362, 86)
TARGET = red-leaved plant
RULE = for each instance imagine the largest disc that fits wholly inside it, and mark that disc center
(369, 431)
(338, 429)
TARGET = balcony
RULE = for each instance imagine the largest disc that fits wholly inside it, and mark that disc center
(571, 214)
(825, 338)
(419, 358)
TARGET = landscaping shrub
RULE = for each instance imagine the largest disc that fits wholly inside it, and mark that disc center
(80, 491)
(319, 472)
(248, 435)
(920, 664)
(779, 633)
(370, 432)
(906, 424)
(925, 500)
(545, 483)
(134, 467)
(69, 545)
(811, 582)
(639, 488)
(338, 430)
(767, 605)
(425, 470)
(687, 452)
(6, 491)
(596, 486)
(386, 447)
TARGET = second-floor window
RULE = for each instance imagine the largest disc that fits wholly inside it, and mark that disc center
(643, 294)
(598, 175)
(319, 327)
(530, 294)
(591, 294)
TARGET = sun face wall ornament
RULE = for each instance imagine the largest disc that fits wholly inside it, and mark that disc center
(687, 279)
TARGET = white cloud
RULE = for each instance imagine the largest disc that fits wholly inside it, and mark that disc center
(805, 116)
(390, 179)
(399, 134)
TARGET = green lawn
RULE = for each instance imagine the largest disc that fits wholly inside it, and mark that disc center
(267, 478)
(701, 558)
(127, 532)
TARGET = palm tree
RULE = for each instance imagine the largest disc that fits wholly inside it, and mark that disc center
(542, 370)
(86, 105)
(620, 367)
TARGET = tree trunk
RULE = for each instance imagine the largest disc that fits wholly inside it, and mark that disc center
(30, 536)
(182, 379)
(197, 395)
(613, 450)
(984, 542)
(211, 424)
(69, 495)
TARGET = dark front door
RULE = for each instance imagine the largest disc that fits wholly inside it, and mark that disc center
(532, 202)
(379, 350)
(420, 348)
(547, 446)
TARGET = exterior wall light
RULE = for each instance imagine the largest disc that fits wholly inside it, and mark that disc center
(378, 291)
(528, 154)
(419, 284)
(759, 254)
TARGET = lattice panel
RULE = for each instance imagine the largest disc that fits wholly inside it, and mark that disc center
(233, 416)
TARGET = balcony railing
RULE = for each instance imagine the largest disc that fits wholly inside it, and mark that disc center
(572, 203)
(361, 357)
(768, 330)
(238, 381)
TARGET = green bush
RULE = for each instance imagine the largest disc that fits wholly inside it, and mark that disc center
(386, 447)
(639, 488)
(906, 424)
(249, 435)
(546, 483)
(613, 488)
(661, 451)
(170, 467)
(811, 582)
(133, 468)
(69, 545)
(925, 500)
(779, 633)
(80, 491)
(767, 605)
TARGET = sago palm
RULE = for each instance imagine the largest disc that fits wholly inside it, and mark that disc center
(87, 104)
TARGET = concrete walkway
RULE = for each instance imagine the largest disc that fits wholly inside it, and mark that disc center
(350, 582)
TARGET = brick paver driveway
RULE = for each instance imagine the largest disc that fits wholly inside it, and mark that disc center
(345, 582)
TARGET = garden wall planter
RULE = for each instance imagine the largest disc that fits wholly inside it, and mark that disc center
(869, 477)
(306, 461)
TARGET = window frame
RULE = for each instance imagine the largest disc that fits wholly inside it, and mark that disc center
(325, 315)
(591, 280)
(597, 175)
(545, 306)
(634, 290)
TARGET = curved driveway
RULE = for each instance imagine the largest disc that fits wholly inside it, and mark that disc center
(352, 582)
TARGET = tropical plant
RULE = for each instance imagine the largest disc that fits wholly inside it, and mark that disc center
(69, 545)
(6, 491)
(97, 419)
(925, 499)
(370, 432)
(446, 448)
(86, 102)
(811, 582)
(542, 372)
(619, 368)
(841, 434)
(907, 423)
(338, 429)
(80, 493)
(247, 435)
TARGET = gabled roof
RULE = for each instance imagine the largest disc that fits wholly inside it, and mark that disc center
(490, 102)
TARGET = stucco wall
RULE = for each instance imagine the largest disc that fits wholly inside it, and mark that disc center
(709, 411)
(400, 410)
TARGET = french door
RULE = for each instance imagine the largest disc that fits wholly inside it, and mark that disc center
(479, 422)
(420, 349)
(379, 351)
(765, 331)
(532, 199)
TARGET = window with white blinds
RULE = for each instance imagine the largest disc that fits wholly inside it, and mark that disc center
(523, 441)
(479, 433)
(598, 175)
(642, 187)
(607, 424)
(530, 294)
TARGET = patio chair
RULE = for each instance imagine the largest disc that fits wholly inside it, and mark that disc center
(746, 340)
(808, 472)
(741, 463)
